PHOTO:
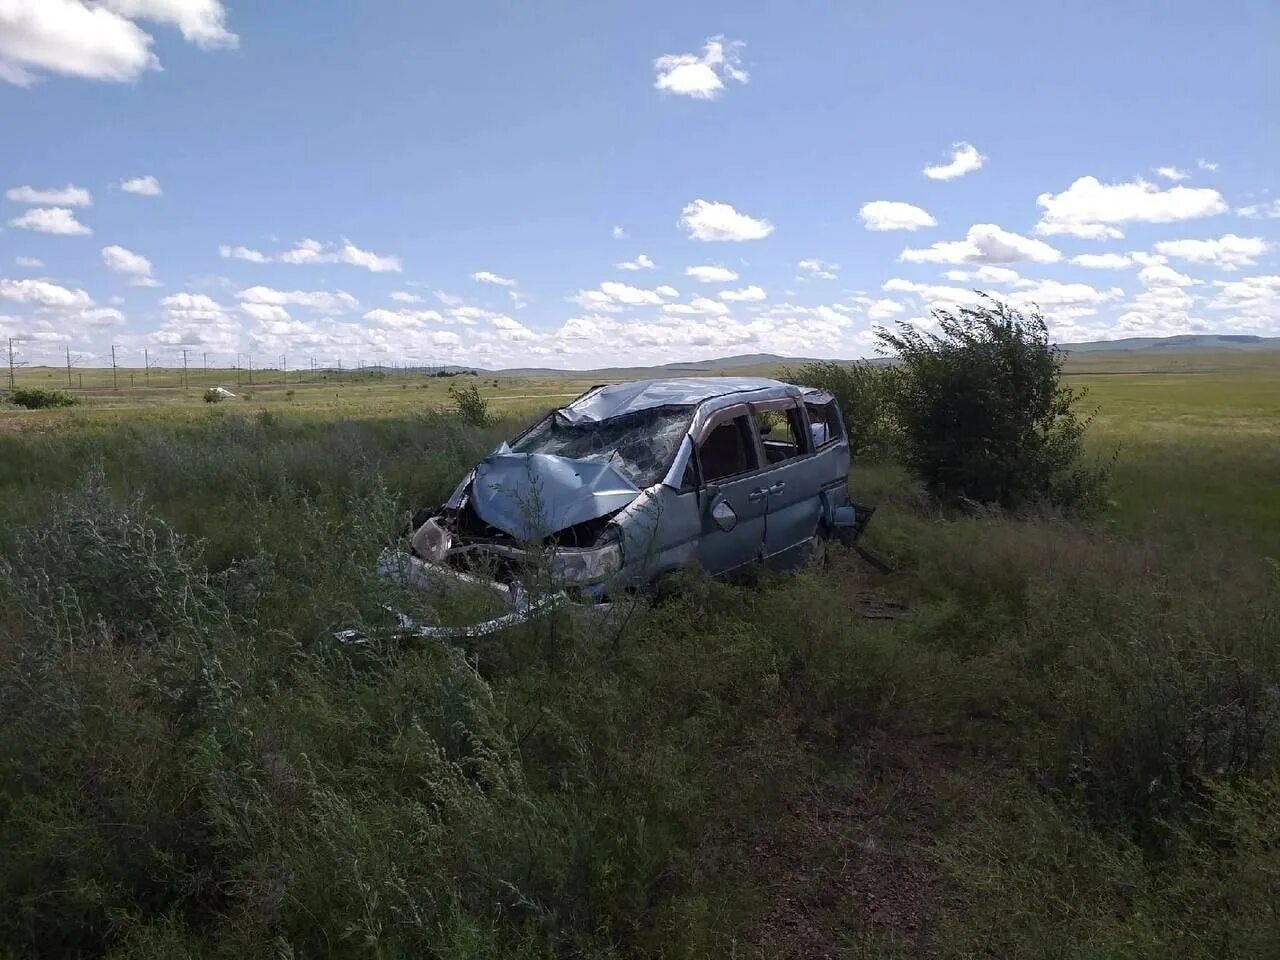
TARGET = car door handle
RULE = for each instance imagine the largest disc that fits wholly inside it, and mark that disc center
(777, 488)
(758, 494)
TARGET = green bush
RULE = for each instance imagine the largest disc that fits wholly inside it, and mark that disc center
(37, 398)
(470, 405)
(866, 394)
(985, 415)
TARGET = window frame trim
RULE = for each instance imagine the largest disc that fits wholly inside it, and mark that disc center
(719, 418)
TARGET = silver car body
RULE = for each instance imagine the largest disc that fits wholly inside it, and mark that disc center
(632, 481)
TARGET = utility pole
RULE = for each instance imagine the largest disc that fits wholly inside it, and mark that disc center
(115, 378)
(146, 367)
(184, 368)
(68, 368)
(13, 380)
(251, 369)
(237, 369)
(284, 368)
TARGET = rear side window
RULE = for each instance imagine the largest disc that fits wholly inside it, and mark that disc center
(728, 450)
(782, 433)
(824, 423)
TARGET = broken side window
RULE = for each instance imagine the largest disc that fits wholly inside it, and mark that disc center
(824, 423)
(782, 433)
(728, 450)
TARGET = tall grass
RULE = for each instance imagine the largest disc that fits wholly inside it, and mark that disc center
(191, 765)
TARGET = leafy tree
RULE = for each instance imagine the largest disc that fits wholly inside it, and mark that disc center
(37, 398)
(984, 413)
(470, 405)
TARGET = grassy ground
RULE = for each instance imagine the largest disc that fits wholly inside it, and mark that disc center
(1067, 750)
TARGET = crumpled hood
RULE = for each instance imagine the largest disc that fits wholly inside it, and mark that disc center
(533, 495)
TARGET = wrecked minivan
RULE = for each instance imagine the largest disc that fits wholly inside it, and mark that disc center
(632, 481)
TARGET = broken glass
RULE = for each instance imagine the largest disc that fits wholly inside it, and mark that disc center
(640, 446)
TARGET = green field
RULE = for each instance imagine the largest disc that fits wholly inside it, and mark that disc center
(1067, 749)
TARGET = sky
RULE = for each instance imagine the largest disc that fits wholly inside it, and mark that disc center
(588, 183)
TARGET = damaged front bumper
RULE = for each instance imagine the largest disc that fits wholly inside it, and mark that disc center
(406, 570)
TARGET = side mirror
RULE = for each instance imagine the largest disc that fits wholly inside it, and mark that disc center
(707, 496)
(724, 516)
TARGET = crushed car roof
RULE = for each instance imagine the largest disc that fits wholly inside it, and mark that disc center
(617, 399)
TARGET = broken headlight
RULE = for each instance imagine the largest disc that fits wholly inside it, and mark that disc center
(432, 540)
(587, 565)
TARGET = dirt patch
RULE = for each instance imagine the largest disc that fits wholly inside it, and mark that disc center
(844, 868)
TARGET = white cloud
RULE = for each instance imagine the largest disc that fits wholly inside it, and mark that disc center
(883, 309)
(701, 77)
(1063, 305)
(59, 220)
(710, 220)
(629, 295)
(30, 262)
(815, 269)
(619, 233)
(1206, 165)
(704, 306)
(985, 243)
(745, 295)
(202, 22)
(1253, 303)
(1160, 275)
(133, 265)
(1093, 210)
(321, 300)
(198, 321)
(709, 273)
(484, 276)
(1103, 261)
(98, 41)
(471, 314)
(242, 253)
(1172, 173)
(934, 296)
(401, 319)
(613, 296)
(965, 158)
(71, 38)
(147, 186)
(44, 295)
(510, 329)
(641, 262)
(1261, 211)
(68, 196)
(987, 274)
(313, 251)
(894, 215)
(403, 296)
(1228, 252)
(266, 312)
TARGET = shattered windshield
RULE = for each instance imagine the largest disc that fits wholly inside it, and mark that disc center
(639, 446)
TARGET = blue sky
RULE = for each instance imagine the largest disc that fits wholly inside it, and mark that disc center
(461, 182)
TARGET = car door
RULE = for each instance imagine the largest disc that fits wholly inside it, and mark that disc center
(792, 480)
(732, 500)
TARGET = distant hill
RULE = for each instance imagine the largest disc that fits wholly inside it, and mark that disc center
(742, 364)
(1191, 341)
(769, 364)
